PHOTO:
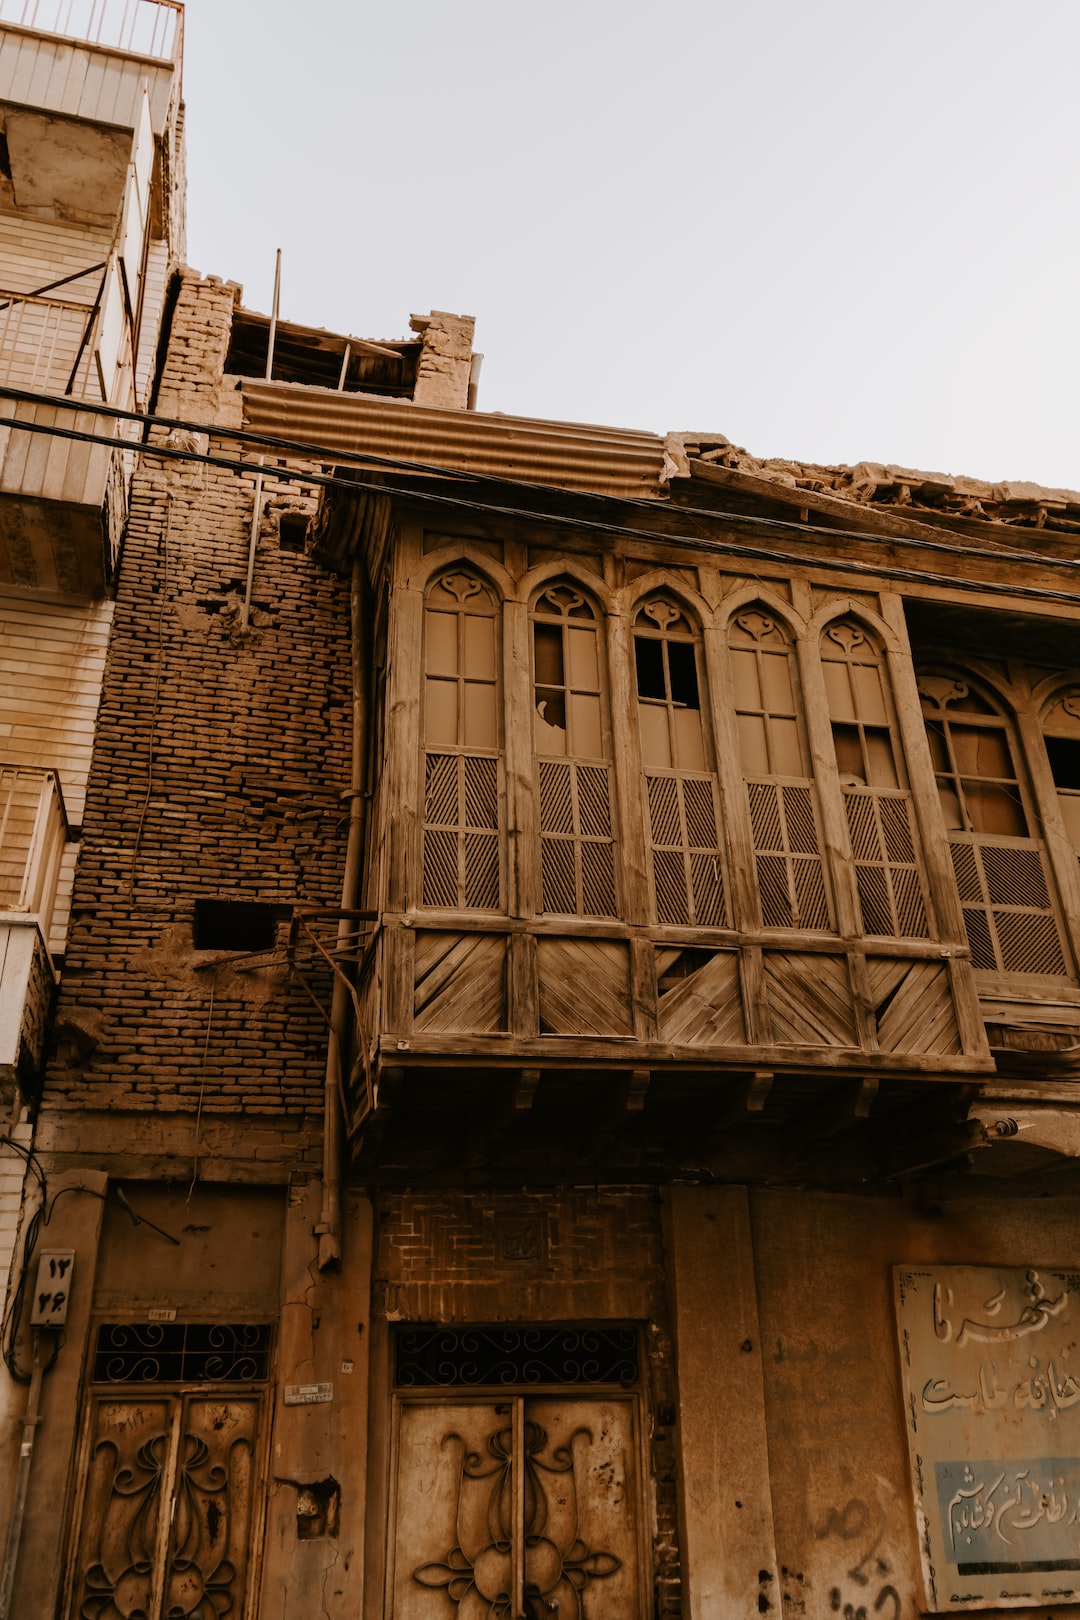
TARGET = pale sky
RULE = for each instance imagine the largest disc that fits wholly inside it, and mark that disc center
(835, 230)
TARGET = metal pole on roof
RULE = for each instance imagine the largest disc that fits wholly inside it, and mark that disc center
(272, 339)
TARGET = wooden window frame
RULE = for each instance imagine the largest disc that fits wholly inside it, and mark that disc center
(983, 874)
(463, 821)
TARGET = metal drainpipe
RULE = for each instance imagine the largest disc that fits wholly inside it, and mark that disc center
(329, 1227)
(257, 502)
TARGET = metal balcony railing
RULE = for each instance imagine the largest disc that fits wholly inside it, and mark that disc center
(142, 27)
(44, 347)
(33, 831)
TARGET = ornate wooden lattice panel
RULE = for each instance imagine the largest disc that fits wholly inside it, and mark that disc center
(577, 854)
(584, 987)
(788, 856)
(809, 1000)
(460, 983)
(700, 998)
(913, 1007)
(1010, 921)
(191, 1454)
(886, 870)
(688, 879)
(528, 1505)
(461, 836)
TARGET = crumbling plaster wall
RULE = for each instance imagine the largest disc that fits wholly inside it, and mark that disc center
(793, 1455)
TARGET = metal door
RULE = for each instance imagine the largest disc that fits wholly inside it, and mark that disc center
(515, 1509)
(167, 1508)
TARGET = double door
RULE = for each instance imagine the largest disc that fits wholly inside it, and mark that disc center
(515, 1508)
(165, 1526)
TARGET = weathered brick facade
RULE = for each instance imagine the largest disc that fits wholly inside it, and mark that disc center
(219, 763)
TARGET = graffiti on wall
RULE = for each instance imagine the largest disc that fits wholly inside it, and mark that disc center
(991, 1367)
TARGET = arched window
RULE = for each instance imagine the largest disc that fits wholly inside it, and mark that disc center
(570, 737)
(681, 790)
(1061, 734)
(993, 831)
(461, 745)
(776, 767)
(870, 764)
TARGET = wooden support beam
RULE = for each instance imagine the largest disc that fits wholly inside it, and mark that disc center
(494, 1119)
(635, 1090)
(837, 1111)
(937, 1147)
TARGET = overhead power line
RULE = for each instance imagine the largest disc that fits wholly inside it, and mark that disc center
(375, 462)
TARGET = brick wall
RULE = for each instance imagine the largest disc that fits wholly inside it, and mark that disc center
(218, 766)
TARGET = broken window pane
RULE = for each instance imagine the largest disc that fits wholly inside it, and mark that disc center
(549, 727)
(982, 751)
(880, 763)
(548, 648)
(649, 657)
(682, 666)
(1064, 755)
(849, 756)
(994, 809)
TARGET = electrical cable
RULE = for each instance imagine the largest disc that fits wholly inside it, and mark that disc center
(721, 547)
(327, 454)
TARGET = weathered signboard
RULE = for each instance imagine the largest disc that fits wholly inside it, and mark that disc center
(991, 1366)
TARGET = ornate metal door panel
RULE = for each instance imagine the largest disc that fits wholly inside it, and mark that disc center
(517, 1509)
(167, 1509)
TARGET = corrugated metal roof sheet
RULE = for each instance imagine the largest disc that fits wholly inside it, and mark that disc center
(606, 461)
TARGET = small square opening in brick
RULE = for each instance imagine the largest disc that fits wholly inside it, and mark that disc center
(234, 925)
(292, 531)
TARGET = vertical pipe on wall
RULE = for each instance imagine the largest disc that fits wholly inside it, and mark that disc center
(329, 1227)
(256, 510)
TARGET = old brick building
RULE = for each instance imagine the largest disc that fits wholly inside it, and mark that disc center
(561, 1095)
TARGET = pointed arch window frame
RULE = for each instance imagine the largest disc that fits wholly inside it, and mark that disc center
(1008, 895)
(575, 791)
(463, 819)
(683, 813)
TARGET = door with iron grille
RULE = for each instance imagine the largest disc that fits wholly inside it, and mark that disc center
(521, 1503)
(168, 1485)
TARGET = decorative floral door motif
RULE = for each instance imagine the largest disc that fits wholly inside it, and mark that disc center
(516, 1509)
(167, 1510)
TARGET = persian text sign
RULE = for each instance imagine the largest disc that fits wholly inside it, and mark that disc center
(991, 1367)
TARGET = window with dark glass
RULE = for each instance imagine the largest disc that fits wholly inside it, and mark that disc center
(776, 768)
(1061, 733)
(461, 745)
(681, 790)
(994, 835)
(876, 800)
(570, 738)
